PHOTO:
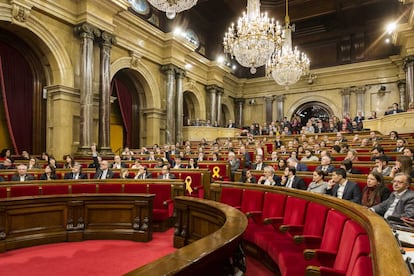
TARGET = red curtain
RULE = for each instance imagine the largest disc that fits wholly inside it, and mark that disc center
(125, 105)
(17, 92)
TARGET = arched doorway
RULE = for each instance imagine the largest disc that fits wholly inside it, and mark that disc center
(190, 108)
(126, 105)
(23, 105)
(313, 109)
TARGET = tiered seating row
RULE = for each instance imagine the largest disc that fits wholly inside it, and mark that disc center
(301, 232)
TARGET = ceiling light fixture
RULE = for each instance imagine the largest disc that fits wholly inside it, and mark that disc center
(287, 65)
(254, 38)
(172, 7)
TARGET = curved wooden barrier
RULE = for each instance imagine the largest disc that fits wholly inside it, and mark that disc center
(29, 221)
(212, 230)
(385, 253)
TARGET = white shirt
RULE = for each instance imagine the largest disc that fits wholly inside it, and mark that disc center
(341, 189)
(391, 209)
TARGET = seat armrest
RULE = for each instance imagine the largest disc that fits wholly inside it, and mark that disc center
(196, 188)
(254, 214)
(312, 270)
(167, 202)
(274, 221)
(309, 241)
(323, 270)
(291, 228)
(325, 258)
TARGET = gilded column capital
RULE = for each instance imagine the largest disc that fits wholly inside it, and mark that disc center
(179, 73)
(239, 100)
(280, 98)
(346, 91)
(86, 30)
(20, 11)
(168, 68)
(359, 89)
(401, 84)
(213, 88)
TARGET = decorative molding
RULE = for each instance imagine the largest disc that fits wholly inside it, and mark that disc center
(136, 59)
(20, 11)
(87, 30)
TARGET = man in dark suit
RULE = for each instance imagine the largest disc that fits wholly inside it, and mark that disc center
(259, 165)
(325, 165)
(401, 201)
(293, 162)
(165, 173)
(269, 177)
(246, 157)
(76, 172)
(231, 124)
(143, 173)
(234, 164)
(339, 186)
(394, 110)
(118, 164)
(291, 180)
(22, 174)
(104, 172)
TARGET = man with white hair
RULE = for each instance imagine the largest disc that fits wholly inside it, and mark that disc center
(21, 174)
(293, 162)
(325, 165)
(234, 164)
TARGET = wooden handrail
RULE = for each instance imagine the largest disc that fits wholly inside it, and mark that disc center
(202, 255)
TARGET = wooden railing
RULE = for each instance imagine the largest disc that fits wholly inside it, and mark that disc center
(29, 221)
(210, 231)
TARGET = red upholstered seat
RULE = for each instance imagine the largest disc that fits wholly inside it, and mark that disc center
(273, 207)
(345, 260)
(110, 188)
(252, 201)
(163, 205)
(134, 188)
(196, 183)
(231, 196)
(29, 190)
(294, 214)
(293, 263)
(3, 192)
(362, 267)
(218, 169)
(83, 188)
(55, 189)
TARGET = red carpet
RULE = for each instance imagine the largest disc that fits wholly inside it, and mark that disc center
(94, 258)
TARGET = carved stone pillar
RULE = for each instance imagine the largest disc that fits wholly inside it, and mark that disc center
(87, 34)
(220, 93)
(409, 76)
(346, 95)
(179, 76)
(169, 70)
(280, 103)
(360, 99)
(269, 109)
(105, 94)
(212, 90)
(403, 95)
(239, 115)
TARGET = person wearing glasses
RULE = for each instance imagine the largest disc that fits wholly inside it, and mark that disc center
(400, 204)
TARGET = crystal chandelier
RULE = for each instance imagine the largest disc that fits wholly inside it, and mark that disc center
(254, 38)
(286, 64)
(172, 7)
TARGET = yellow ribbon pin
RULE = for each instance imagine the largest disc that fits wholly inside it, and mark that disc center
(188, 181)
(216, 171)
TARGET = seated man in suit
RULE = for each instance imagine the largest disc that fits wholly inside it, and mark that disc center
(246, 157)
(290, 180)
(293, 162)
(165, 173)
(7, 164)
(259, 165)
(118, 164)
(347, 165)
(104, 172)
(325, 165)
(269, 177)
(21, 174)
(339, 186)
(400, 204)
(76, 172)
(234, 164)
(143, 173)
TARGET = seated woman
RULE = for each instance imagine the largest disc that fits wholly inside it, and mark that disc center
(269, 177)
(248, 177)
(192, 164)
(49, 173)
(375, 191)
(281, 166)
(318, 184)
(403, 164)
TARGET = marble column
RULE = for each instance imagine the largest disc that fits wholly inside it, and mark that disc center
(409, 76)
(179, 76)
(403, 95)
(280, 103)
(87, 34)
(346, 95)
(169, 70)
(220, 92)
(239, 115)
(212, 90)
(104, 94)
(360, 99)
(269, 109)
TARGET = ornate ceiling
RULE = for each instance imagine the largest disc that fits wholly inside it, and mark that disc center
(331, 32)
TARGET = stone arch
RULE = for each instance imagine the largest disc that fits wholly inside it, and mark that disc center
(151, 98)
(191, 107)
(330, 106)
(227, 111)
